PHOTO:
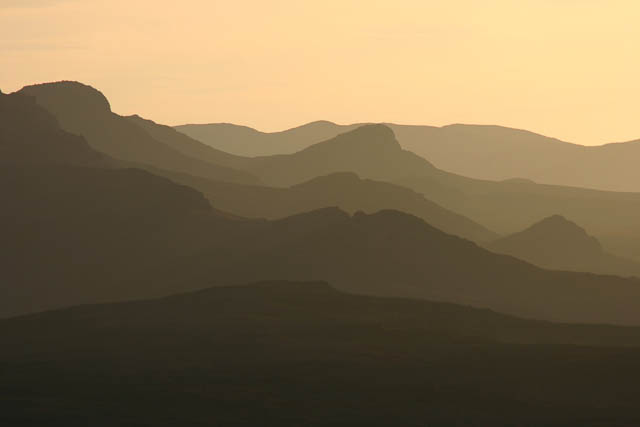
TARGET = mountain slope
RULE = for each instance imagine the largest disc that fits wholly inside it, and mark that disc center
(558, 243)
(477, 151)
(73, 220)
(372, 152)
(30, 134)
(69, 246)
(75, 234)
(245, 141)
(283, 353)
(82, 110)
(342, 189)
(496, 153)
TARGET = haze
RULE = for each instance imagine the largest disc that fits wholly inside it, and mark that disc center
(567, 68)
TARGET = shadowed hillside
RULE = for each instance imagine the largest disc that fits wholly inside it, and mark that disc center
(281, 353)
(558, 243)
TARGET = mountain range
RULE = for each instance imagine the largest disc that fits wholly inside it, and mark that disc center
(372, 152)
(461, 149)
(75, 224)
(505, 207)
(147, 278)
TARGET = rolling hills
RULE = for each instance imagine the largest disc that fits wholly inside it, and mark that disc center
(289, 353)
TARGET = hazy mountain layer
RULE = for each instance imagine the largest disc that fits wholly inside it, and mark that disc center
(494, 152)
(78, 234)
(557, 243)
(373, 152)
(305, 354)
(341, 189)
(245, 141)
(483, 152)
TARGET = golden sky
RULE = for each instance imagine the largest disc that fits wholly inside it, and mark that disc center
(564, 68)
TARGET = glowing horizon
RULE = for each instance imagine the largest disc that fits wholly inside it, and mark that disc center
(565, 69)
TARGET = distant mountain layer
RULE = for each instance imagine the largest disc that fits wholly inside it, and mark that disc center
(558, 243)
(494, 152)
(341, 189)
(476, 151)
(83, 110)
(372, 152)
(289, 353)
(245, 141)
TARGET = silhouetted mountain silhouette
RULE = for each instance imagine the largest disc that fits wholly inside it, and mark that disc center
(282, 353)
(558, 243)
(245, 141)
(83, 110)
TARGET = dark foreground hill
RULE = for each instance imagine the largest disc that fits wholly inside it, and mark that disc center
(560, 244)
(291, 354)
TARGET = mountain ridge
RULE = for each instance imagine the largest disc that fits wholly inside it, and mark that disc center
(557, 243)
(85, 111)
(466, 149)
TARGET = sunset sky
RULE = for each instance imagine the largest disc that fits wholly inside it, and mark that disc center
(564, 68)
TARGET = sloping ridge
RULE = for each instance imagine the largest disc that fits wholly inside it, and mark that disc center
(497, 153)
(370, 151)
(83, 110)
(558, 243)
(30, 134)
(246, 141)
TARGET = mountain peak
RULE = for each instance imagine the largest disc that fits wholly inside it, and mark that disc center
(362, 139)
(82, 98)
(375, 132)
(558, 224)
(554, 237)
